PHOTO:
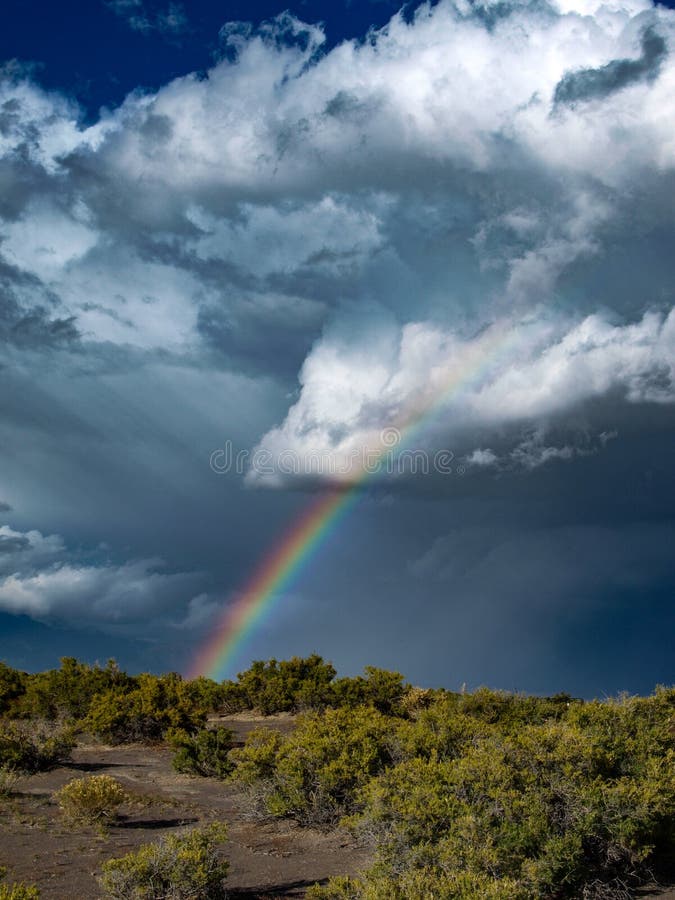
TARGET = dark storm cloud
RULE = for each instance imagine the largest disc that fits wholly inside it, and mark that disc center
(11, 545)
(528, 582)
(303, 244)
(246, 334)
(596, 84)
(26, 321)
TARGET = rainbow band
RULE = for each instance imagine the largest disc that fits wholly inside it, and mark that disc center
(270, 579)
(289, 556)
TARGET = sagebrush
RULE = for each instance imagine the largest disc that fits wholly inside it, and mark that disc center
(205, 753)
(17, 890)
(94, 800)
(178, 867)
(31, 747)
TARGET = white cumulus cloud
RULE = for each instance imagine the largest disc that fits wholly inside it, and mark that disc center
(41, 578)
(514, 372)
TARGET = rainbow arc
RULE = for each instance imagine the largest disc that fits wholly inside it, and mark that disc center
(283, 565)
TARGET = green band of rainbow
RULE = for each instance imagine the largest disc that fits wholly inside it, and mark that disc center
(296, 548)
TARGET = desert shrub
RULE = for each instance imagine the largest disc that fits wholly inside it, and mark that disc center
(257, 759)
(416, 699)
(441, 731)
(294, 684)
(8, 781)
(508, 711)
(419, 884)
(30, 748)
(385, 690)
(146, 713)
(314, 773)
(67, 692)
(379, 688)
(179, 867)
(205, 753)
(232, 698)
(91, 800)
(629, 730)
(204, 693)
(17, 891)
(337, 888)
(302, 684)
(12, 688)
(539, 810)
(349, 692)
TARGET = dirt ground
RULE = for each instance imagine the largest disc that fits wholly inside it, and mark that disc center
(277, 859)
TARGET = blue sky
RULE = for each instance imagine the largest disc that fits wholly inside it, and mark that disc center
(283, 231)
(100, 51)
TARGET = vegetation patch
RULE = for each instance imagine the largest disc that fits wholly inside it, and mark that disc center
(16, 891)
(205, 753)
(9, 778)
(94, 800)
(460, 795)
(147, 713)
(579, 804)
(31, 747)
(313, 774)
(178, 867)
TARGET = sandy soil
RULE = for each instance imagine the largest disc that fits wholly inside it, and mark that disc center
(276, 859)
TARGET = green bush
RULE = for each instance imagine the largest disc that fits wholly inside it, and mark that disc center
(290, 685)
(67, 692)
(483, 795)
(8, 780)
(466, 795)
(28, 748)
(384, 690)
(93, 800)
(17, 891)
(232, 698)
(179, 867)
(12, 688)
(419, 884)
(539, 810)
(148, 712)
(256, 761)
(313, 774)
(204, 693)
(206, 753)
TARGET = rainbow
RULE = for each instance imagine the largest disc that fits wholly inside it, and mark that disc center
(291, 554)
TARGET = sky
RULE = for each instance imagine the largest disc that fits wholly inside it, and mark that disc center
(232, 228)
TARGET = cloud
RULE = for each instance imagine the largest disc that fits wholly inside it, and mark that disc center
(40, 578)
(550, 571)
(482, 457)
(514, 372)
(10, 543)
(236, 214)
(303, 246)
(169, 21)
(44, 241)
(596, 84)
(535, 449)
(201, 613)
